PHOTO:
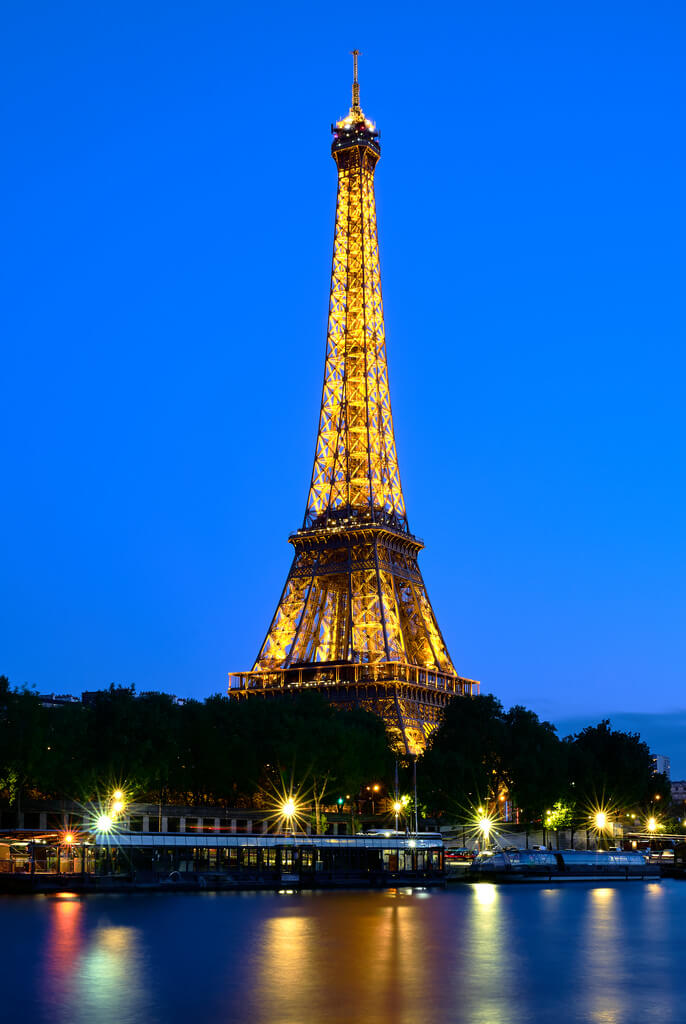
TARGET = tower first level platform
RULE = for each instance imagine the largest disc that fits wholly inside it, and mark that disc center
(408, 698)
(355, 622)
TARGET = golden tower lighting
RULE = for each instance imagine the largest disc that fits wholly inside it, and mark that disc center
(354, 619)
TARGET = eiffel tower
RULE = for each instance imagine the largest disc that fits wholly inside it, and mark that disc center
(354, 620)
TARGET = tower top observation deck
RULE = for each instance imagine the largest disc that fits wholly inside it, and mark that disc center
(354, 129)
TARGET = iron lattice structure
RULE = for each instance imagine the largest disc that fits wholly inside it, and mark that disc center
(354, 619)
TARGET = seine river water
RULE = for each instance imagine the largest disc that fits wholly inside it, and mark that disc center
(480, 953)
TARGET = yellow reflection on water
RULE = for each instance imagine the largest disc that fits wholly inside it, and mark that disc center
(284, 966)
(602, 895)
(324, 958)
(601, 967)
(485, 984)
(485, 893)
(109, 961)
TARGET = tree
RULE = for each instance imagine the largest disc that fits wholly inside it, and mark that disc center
(607, 765)
(23, 743)
(534, 765)
(479, 752)
(329, 748)
(463, 755)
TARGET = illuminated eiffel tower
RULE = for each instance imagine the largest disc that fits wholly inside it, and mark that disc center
(354, 620)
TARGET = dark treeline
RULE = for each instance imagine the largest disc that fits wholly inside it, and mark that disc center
(482, 752)
(218, 751)
(231, 753)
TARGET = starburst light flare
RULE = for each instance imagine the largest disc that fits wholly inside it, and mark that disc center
(287, 806)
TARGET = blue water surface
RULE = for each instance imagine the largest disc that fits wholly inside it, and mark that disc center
(480, 953)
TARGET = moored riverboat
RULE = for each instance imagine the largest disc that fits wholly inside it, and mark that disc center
(124, 861)
(562, 866)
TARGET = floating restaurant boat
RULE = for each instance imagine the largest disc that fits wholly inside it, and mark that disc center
(562, 866)
(121, 861)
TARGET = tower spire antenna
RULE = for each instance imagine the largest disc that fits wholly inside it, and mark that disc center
(356, 84)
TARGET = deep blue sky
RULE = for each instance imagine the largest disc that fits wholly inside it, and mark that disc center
(169, 201)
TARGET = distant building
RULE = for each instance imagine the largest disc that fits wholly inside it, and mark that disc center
(679, 792)
(57, 700)
(661, 765)
(156, 693)
(89, 697)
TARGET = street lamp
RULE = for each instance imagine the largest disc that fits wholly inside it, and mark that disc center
(288, 809)
(103, 823)
(397, 807)
(117, 802)
(601, 824)
(372, 790)
(484, 826)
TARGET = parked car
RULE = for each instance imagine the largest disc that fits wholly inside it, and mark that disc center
(460, 854)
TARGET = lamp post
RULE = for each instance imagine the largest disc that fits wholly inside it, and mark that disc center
(651, 826)
(288, 812)
(397, 807)
(484, 826)
(67, 839)
(103, 826)
(414, 783)
(117, 802)
(602, 824)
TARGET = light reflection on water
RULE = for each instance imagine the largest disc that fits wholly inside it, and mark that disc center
(601, 979)
(481, 954)
(91, 973)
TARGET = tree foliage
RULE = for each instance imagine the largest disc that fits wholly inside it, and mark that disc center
(480, 752)
(230, 753)
(217, 751)
(606, 764)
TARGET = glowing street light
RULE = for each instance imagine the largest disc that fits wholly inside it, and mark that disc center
(117, 802)
(68, 838)
(484, 826)
(652, 825)
(397, 808)
(289, 809)
(601, 823)
(373, 791)
(103, 823)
